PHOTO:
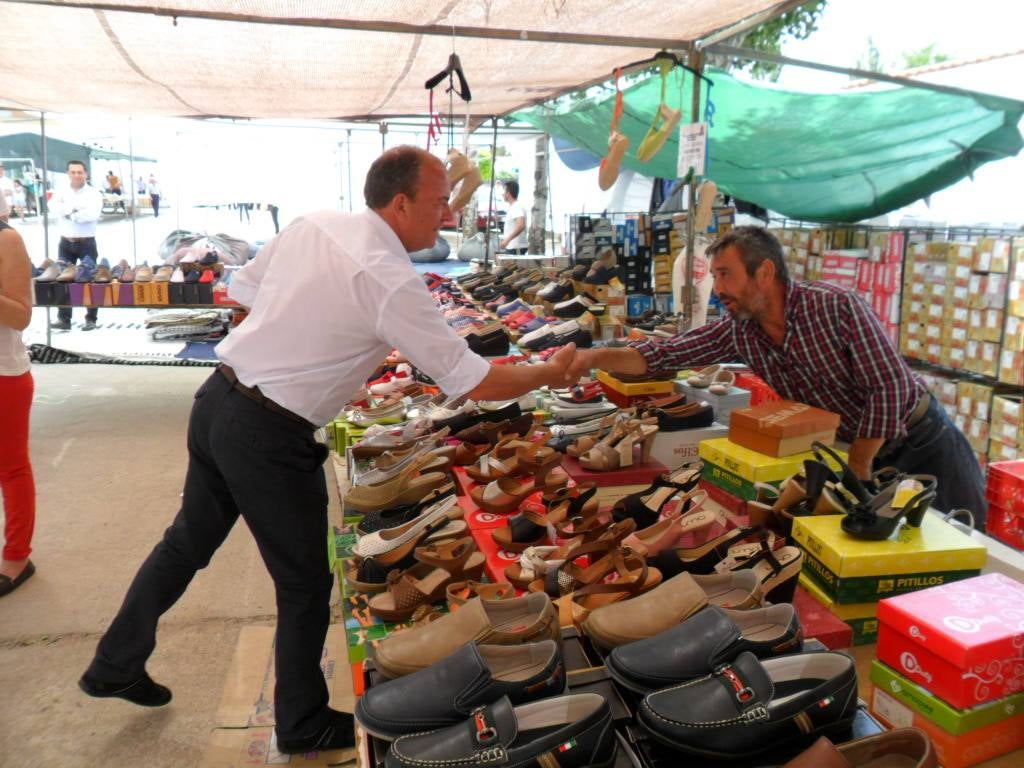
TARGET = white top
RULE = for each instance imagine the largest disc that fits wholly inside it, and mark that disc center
(330, 297)
(515, 211)
(153, 188)
(13, 355)
(77, 210)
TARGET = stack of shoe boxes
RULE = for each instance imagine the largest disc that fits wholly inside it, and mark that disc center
(879, 279)
(665, 242)
(987, 304)
(1005, 495)
(1011, 361)
(849, 576)
(1006, 430)
(973, 413)
(935, 311)
(949, 662)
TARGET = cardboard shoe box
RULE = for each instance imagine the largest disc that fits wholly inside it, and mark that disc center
(673, 449)
(782, 427)
(723, 405)
(963, 641)
(851, 570)
(984, 732)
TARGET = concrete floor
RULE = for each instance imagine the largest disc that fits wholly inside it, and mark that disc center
(108, 450)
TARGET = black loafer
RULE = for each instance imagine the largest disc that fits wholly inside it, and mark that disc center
(8, 585)
(446, 693)
(696, 647)
(749, 707)
(143, 691)
(568, 731)
(340, 733)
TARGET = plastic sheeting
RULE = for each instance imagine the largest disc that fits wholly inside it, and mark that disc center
(841, 157)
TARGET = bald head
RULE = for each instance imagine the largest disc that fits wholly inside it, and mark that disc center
(395, 172)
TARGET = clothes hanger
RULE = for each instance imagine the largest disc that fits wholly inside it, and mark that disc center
(451, 71)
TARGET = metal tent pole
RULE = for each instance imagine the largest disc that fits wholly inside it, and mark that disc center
(490, 202)
(696, 61)
(44, 205)
(348, 164)
(131, 177)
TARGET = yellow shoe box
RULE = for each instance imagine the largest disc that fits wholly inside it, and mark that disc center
(635, 388)
(751, 465)
(934, 547)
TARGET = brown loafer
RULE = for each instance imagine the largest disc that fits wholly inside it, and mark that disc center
(527, 619)
(908, 747)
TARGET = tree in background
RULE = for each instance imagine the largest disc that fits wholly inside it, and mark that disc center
(797, 24)
(924, 57)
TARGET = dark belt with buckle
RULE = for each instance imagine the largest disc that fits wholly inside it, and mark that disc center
(919, 410)
(254, 394)
(77, 239)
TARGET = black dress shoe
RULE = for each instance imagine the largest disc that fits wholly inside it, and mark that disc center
(749, 707)
(339, 733)
(143, 691)
(8, 585)
(568, 731)
(696, 647)
(446, 693)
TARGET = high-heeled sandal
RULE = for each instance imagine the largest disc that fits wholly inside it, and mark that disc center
(666, 533)
(665, 121)
(501, 461)
(645, 506)
(505, 494)
(702, 559)
(532, 526)
(778, 571)
(617, 144)
(454, 561)
(407, 487)
(585, 442)
(535, 562)
(445, 511)
(633, 577)
(587, 563)
(616, 450)
(876, 520)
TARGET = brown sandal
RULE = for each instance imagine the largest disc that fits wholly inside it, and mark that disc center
(427, 582)
(460, 592)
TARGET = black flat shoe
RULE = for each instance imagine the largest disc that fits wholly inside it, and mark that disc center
(572, 731)
(143, 691)
(749, 707)
(447, 693)
(8, 585)
(340, 733)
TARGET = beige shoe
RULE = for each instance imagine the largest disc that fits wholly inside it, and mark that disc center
(527, 619)
(667, 605)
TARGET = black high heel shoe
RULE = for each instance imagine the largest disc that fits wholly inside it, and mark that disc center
(877, 519)
(645, 506)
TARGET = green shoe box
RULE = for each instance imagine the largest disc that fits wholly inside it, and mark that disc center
(728, 481)
(847, 590)
(955, 721)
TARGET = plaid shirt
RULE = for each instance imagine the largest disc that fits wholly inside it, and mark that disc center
(834, 355)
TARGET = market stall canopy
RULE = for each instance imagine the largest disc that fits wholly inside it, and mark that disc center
(842, 157)
(347, 59)
(58, 153)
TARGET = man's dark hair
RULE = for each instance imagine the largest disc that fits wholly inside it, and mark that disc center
(755, 245)
(395, 172)
(512, 187)
(77, 162)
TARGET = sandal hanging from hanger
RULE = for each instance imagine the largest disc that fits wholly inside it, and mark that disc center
(665, 121)
(618, 143)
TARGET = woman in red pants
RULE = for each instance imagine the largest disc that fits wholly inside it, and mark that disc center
(16, 481)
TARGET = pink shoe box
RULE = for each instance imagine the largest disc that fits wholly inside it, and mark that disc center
(122, 295)
(820, 623)
(962, 641)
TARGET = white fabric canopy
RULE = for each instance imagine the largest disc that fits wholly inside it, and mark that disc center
(347, 59)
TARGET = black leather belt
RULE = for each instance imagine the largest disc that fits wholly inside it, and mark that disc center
(919, 410)
(254, 394)
(77, 239)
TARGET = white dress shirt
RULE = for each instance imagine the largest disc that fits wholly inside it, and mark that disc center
(330, 297)
(77, 210)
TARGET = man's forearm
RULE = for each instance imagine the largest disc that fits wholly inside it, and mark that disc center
(612, 359)
(862, 454)
(504, 382)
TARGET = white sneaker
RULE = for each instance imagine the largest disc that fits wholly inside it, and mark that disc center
(392, 382)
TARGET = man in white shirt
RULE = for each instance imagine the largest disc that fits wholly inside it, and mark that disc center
(6, 188)
(330, 297)
(514, 239)
(78, 208)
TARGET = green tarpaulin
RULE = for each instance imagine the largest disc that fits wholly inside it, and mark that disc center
(58, 153)
(834, 157)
